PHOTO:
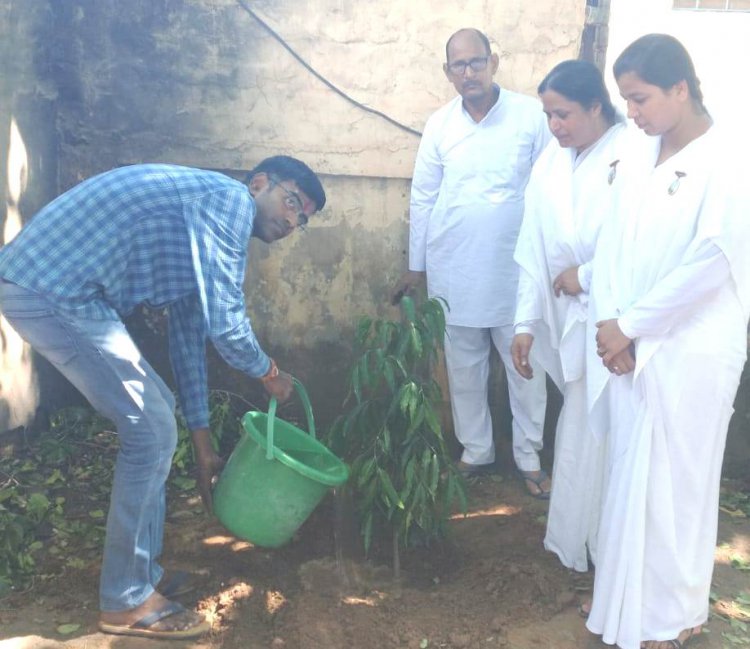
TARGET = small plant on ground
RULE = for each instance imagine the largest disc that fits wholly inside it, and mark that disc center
(403, 479)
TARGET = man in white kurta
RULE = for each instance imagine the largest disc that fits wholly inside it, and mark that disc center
(566, 203)
(672, 267)
(467, 201)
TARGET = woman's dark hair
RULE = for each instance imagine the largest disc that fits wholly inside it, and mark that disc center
(580, 81)
(661, 60)
(284, 167)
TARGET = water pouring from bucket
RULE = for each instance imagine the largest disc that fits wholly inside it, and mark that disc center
(275, 477)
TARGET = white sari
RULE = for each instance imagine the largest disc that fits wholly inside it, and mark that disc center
(672, 266)
(566, 202)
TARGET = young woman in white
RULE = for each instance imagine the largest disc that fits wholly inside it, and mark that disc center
(670, 303)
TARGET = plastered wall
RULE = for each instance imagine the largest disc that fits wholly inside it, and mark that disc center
(202, 83)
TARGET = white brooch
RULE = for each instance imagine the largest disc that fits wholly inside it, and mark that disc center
(612, 172)
(676, 182)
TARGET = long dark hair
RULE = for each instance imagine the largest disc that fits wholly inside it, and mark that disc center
(580, 81)
(661, 60)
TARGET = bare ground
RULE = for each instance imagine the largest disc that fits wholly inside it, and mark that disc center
(491, 585)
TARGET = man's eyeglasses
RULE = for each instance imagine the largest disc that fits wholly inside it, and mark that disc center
(293, 202)
(477, 65)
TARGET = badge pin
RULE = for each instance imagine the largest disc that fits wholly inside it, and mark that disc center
(672, 190)
(612, 172)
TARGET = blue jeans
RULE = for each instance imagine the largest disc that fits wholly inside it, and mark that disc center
(102, 361)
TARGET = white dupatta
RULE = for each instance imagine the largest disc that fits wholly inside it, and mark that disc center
(566, 202)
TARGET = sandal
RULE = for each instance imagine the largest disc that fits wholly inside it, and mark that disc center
(536, 481)
(175, 583)
(467, 470)
(676, 643)
(142, 628)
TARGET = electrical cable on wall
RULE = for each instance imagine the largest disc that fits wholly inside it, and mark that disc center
(319, 76)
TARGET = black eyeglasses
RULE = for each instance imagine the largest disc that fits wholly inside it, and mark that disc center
(293, 202)
(476, 64)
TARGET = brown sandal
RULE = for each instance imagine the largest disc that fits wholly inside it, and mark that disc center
(142, 628)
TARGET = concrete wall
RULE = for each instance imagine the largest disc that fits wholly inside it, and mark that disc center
(201, 82)
(28, 180)
(719, 46)
(717, 41)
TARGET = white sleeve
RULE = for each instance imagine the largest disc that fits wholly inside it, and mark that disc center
(425, 187)
(584, 276)
(528, 302)
(678, 294)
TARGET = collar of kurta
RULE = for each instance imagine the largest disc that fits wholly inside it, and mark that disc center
(496, 89)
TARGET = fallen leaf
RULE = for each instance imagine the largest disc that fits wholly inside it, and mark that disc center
(735, 513)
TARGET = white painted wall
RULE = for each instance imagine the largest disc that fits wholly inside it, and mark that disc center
(718, 42)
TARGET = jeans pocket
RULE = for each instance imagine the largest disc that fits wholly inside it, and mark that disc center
(45, 330)
(20, 306)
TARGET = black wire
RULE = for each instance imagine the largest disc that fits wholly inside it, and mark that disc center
(315, 73)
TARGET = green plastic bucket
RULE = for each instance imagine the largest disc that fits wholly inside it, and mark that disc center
(275, 477)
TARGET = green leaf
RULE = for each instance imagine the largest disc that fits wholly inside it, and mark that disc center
(364, 370)
(435, 478)
(388, 374)
(385, 480)
(386, 440)
(416, 340)
(56, 476)
(367, 471)
(96, 513)
(363, 328)
(432, 419)
(355, 384)
(67, 629)
(403, 396)
(184, 483)
(407, 306)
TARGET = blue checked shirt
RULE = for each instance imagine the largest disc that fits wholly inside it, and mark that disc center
(159, 235)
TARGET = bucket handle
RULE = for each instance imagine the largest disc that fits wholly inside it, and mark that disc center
(272, 416)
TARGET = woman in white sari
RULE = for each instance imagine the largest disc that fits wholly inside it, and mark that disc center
(670, 299)
(566, 201)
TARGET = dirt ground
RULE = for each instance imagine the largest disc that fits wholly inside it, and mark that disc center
(491, 585)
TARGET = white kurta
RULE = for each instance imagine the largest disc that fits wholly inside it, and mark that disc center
(467, 204)
(672, 267)
(566, 201)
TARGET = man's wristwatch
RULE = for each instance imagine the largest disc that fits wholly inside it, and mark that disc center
(272, 373)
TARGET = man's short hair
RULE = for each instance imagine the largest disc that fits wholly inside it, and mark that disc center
(480, 35)
(284, 167)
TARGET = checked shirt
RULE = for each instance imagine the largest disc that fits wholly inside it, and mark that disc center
(159, 235)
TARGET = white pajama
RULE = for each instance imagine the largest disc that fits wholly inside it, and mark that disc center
(467, 355)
